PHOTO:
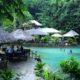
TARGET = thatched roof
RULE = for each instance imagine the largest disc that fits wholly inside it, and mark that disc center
(35, 22)
(49, 30)
(20, 34)
(57, 35)
(5, 36)
(71, 33)
(36, 32)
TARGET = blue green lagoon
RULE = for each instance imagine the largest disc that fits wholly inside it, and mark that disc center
(53, 56)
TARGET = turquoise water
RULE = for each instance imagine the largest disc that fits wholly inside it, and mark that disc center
(53, 56)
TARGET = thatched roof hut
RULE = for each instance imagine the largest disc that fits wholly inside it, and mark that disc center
(71, 33)
(20, 34)
(35, 22)
(5, 36)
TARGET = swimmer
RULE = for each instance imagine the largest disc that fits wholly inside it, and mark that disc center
(70, 51)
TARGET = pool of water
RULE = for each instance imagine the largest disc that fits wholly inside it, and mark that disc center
(54, 56)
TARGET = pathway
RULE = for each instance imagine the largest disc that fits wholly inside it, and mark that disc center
(25, 69)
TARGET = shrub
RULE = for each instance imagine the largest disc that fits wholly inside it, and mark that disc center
(72, 68)
(6, 74)
(52, 76)
(70, 41)
(56, 41)
(39, 68)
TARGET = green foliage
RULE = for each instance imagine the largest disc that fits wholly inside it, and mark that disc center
(70, 41)
(52, 76)
(56, 40)
(39, 68)
(36, 36)
(71, 67)
(45, 38)
(6, 74)
(46, 75)
(70, 70)
(13, 13)
(60, 14)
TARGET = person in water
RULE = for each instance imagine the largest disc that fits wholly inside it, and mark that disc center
(70, 51)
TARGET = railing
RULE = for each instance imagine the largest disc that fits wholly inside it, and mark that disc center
(38, 44)
(47, 45)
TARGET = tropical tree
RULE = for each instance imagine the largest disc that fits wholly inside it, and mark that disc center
(13, 12)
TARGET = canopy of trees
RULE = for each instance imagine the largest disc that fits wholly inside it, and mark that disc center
(60, 14)
(12, 13)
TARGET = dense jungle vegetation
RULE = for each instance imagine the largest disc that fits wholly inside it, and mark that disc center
(60, 14)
